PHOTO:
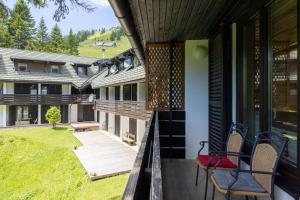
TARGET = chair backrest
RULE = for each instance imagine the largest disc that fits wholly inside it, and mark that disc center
(266, 154)
(235, 141)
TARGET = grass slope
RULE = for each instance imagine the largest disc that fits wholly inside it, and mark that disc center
(38, 163)
(86, 47)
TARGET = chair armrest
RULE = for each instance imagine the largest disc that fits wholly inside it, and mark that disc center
(255, 172)
(202, 145)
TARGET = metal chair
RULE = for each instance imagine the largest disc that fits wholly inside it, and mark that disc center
(258, 181)
(220, 159)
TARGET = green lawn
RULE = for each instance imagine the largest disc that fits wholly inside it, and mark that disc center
(38, 163)
(86, 47)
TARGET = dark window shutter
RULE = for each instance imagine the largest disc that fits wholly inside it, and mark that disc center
(219, 93)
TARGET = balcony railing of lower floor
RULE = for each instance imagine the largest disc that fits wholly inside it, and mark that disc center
(134, 109)
(49, 99)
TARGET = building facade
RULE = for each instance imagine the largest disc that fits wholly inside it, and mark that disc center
(31, 82)
(120, 105)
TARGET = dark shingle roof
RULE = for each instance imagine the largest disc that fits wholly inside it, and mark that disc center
(67, 75)
(123, 76)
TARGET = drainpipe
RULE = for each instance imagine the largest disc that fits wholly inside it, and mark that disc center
(123, 13)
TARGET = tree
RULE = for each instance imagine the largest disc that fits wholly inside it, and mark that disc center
(72, 44)
(62, 7)
(21, 25)
(56, 42)
(41, 36)
(102, 30)
(5, 37)
(53, 115)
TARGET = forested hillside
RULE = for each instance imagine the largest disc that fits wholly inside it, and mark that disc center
(19, 30)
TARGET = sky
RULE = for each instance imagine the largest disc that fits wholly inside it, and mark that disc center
(77, 19)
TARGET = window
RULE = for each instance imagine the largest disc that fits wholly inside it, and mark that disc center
(81, 71)
(130, 92)
(284, 73)
(127, 92)
(22, 67)
(22, 113)
(117, 92)
(54, 69)
(133, 126)
(44, 90)
(134, 92)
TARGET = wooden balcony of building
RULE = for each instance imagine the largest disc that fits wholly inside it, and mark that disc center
(133, 109)
(156, 177)
(49, 99)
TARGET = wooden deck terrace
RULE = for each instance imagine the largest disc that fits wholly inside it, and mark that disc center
(83, 126)
(178, 181)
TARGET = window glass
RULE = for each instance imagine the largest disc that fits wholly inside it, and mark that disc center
(81, 71)
(22, 67)
(117, 92)
(127, 92)
(54, 69)
(134, 92)
(284, 72)
(44, 90)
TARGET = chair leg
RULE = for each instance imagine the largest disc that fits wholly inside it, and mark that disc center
(206, 185)
(228, 197)
(213, 192)
(246, 197)
(197, 174)
(255, 197)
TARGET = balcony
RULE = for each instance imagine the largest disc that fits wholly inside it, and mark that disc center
(50, 99)
(157, 175)
(134, 109)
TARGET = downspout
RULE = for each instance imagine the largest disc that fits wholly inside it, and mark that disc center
(123, 13)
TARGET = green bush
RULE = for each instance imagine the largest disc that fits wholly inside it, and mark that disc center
(53, 116)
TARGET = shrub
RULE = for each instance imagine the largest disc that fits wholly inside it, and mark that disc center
(53, 115)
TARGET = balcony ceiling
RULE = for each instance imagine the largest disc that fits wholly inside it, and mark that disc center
(178, 20)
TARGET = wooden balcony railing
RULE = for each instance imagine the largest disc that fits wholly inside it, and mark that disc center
(49, 99)
(145, 180)
(134, 109)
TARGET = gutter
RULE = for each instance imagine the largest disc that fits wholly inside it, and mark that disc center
(123, 13)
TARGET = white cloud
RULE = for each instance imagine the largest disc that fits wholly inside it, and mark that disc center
(100, 2)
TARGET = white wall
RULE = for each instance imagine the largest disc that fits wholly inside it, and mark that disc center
(102, 119)
(73, 113)
(8, 88)
(111, 93)
(141, 124)
(196, 94)
(141, 91)
(102, 93)
(3, 115)
(111, 123)
(124, 125)
(65, 89)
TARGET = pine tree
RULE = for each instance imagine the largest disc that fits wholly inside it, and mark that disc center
(56, 42)
(72, 44)
(41, 36)
(21, 25)
(5, 37)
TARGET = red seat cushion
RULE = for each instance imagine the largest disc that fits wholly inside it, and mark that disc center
(225, 162)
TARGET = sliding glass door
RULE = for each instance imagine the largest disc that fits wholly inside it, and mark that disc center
(284, 100)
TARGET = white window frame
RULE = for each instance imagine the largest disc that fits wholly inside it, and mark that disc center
(52, 66)
(22, 65)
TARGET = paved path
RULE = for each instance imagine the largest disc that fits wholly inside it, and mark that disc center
(102, 155)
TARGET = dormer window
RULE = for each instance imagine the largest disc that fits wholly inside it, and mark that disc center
(82, 71)
(22, 67)
(55, 69)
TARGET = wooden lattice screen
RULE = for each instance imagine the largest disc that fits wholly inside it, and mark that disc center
(165, 76)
